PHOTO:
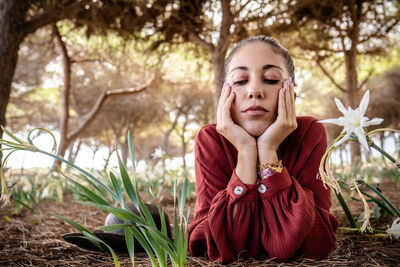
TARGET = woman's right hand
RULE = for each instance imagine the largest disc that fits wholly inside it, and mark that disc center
(241, 139)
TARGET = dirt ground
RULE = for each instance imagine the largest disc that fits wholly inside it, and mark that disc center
(32, 240)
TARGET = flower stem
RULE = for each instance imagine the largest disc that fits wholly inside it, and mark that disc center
(384, 153)
(345, 209)
(391, 206)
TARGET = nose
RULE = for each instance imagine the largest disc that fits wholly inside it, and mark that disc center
(255, 93)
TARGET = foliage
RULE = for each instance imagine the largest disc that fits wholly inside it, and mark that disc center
(156, 242)
(354, 124)
(29, 187)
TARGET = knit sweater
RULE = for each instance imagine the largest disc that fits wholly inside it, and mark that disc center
(283, 216)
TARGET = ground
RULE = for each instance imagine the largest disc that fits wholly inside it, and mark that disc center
(35, 240)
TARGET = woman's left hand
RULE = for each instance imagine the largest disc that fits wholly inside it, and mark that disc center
(285, 122)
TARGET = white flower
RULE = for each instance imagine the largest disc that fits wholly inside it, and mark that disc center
(376, 180)
(354, 121)
(158, 153)
(395, 229)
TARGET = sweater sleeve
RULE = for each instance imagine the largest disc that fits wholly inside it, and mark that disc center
(213, 230)
(295, 217)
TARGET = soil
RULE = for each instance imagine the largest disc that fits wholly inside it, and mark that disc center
(28, 239)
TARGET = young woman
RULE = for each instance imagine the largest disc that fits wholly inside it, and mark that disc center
(256, 169)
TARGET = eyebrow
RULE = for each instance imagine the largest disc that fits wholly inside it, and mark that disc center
(265, 67)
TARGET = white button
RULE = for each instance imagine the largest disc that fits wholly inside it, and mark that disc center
(262, 188)
(238, 190)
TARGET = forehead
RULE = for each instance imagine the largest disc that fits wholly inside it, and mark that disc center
(255, 55)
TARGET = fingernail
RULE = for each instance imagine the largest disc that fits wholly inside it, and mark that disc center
(225, 85)
(283, 89)
(232, 93)
(290, 79)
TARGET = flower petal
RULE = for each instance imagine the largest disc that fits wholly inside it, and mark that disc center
(344, 139)
(374, 121)
(364, 103)
(333, 121)
(340, 105)
(362, 139)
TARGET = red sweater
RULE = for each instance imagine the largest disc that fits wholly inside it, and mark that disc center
(285, 215)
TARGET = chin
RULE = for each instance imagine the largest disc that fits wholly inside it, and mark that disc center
(255, 130)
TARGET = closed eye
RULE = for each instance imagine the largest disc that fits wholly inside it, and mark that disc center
(240, 82)
(268, 81)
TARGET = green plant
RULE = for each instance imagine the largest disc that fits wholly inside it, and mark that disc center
(156, 243)
(354, 129)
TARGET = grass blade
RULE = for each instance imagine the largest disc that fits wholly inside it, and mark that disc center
(94, 238)
(87, 193)
(117, 189)
(123, 214)
(132, 194)
(130, 244)
(79, 227)
(114, 227)
(24, 204)
(132, 154)
(142, 241)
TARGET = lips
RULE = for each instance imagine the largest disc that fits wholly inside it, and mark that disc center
(255, 110)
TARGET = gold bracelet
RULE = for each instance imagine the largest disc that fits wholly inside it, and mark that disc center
(277, 167)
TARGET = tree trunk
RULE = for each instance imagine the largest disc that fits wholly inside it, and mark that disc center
(65, 92)
(352, 93)
(351, 74)
(184, 145)
(219, 52)
(168, 133)
(12, 18)
(74, 150)
(382, 139)
(218, 60)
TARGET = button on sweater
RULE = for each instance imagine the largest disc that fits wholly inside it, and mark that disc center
(283, 216)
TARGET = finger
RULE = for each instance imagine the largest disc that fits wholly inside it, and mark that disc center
(226, 113)
(221, 101)
(292, 107)
(287, 99)
(281, 104)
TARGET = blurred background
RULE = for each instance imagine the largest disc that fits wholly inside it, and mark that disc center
(90, 70)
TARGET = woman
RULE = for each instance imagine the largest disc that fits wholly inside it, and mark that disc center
(256, 169)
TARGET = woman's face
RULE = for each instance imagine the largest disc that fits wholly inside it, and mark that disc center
(256, 74)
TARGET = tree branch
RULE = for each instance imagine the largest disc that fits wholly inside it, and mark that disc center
(53, 15)
(106, 94)
(329, 76)
(197, 40)
(371, 71)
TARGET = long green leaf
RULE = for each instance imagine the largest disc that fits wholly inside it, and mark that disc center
(117, 189)
(130, 244)
(144, 210)
(88, 193)
(32, 198)
(123, 214)
(11, 135)
(82, 171)
(92, 238)
(133, 196)
(24, 204)
(101, 192)
(345, 209)
(77, 226)
(182, 197)
(46, 131)
(142, 241)
(390, 204)
(132, 154)
(114, 227)
(155, 245)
